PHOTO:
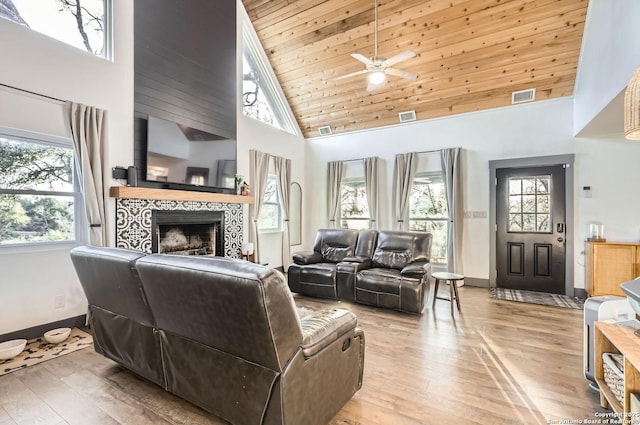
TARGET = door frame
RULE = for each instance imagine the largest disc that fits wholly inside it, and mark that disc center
(540, 161)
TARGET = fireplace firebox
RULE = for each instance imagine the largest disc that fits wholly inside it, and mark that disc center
(188, 232)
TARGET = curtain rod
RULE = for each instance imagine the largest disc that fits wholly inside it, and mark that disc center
(360, 159)
(32, 92)
(357, 159)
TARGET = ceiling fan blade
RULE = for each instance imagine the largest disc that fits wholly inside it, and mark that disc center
(365, 60)
(404, 74)
(400, 57)
(364, 71)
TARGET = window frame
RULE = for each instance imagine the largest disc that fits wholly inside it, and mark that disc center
(434, 177)
(352, 181)
(254, 53)
(79, 219)
(278, 228)
(107, 35)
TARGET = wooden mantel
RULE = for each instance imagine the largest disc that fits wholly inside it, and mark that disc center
(176, 195)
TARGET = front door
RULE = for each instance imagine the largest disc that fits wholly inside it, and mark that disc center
(530, 234)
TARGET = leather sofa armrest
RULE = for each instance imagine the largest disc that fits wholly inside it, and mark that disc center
(303, 258)
(353, 266)
(324, 327)
(417, 269)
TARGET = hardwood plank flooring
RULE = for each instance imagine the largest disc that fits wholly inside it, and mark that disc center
(498, 362)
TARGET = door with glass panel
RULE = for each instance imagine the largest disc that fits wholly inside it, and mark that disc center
(530, 233)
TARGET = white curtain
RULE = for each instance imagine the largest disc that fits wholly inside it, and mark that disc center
(371, 189)
(258, 175)
(283, 173)
(404, 170)
(451, 171)
(89, 132)
(334, 181)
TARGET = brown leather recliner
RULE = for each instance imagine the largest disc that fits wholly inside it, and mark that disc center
(122, 324)
(314, 273)
(230, 339)
(400, 272)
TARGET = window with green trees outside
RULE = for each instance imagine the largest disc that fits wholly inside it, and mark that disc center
(38, 194)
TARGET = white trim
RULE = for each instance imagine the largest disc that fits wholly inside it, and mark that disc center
(34, 137)
(107, 28)
(79, 221)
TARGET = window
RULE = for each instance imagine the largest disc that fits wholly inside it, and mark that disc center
(530, 204)
(261, 98)
(79, 23)
(354, 210)
(269, 219)
(38, 192)
(428, 211)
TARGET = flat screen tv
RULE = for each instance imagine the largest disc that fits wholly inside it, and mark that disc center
(182, 157)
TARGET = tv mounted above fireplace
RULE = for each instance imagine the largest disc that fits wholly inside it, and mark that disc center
(177, 156)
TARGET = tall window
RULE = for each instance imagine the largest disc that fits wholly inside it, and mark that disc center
(79, 23)
(428, 211)
(261, 98)
(269, 219)
(38, 192)
(354, 210)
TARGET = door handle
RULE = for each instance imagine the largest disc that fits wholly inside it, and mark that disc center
(560, 227)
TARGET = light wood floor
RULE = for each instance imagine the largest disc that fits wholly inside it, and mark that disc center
(499, 362)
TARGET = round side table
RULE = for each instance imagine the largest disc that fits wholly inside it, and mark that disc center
(452, 279)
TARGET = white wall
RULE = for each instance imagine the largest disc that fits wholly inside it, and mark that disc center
(608, 57)
(31, 61)
(527, 130)
(610, 167)
(535, 129)
(253, 134)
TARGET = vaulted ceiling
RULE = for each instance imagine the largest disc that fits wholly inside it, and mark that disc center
(471, 55)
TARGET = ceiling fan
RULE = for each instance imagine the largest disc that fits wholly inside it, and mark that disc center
(378, 67)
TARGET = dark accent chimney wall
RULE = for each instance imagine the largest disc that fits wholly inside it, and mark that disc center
(185, 62)
(185, 66)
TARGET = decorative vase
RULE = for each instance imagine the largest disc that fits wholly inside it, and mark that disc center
(239, 179)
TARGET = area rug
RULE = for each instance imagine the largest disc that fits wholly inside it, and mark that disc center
(38, 350)
(542, 298)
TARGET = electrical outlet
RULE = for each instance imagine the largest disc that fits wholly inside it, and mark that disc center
(58, 301)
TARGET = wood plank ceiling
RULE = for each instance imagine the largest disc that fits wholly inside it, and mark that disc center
(471, 55)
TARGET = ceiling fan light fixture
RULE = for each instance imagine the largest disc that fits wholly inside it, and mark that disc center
(377, 67)
(377, 77)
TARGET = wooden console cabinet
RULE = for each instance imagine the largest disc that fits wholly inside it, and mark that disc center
(608, 264)
(616, 338)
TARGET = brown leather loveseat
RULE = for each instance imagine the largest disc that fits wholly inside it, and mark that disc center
(221, 333)
(389, 269)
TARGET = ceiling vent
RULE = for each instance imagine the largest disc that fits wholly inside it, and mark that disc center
(407, 116)
(522, 96)
(325, 131)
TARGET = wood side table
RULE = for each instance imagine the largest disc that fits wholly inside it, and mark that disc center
(452, 279)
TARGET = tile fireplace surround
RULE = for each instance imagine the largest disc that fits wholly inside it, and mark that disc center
(134, 208)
